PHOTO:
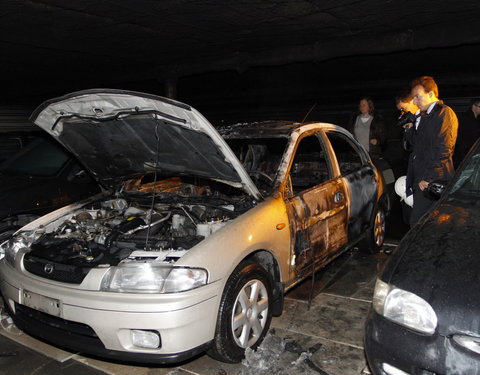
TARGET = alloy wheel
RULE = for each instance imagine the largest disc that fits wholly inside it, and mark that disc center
(250, 313)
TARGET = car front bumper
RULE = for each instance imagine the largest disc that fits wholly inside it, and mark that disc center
(101, 323)
(413, 353)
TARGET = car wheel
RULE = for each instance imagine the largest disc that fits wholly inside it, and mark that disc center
(376, 233)
(245, 313)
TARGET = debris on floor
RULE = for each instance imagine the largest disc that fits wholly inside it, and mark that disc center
(280, 356)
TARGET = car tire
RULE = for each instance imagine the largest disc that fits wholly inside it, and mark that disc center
(375, 236)
(244, 314)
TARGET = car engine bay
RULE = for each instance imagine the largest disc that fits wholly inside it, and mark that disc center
(138, 221)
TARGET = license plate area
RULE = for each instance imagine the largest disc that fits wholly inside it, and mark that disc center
(41, 303)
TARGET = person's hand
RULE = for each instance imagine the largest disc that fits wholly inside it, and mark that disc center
(373, 141)
(408, 126)
(423, 185)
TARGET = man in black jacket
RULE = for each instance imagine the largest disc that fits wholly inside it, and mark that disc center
(431, 157)
(468, 131)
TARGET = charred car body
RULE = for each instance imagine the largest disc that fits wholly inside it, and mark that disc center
(425, 311)
(185, 253)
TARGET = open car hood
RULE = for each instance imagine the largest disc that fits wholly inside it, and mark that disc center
(119, 134)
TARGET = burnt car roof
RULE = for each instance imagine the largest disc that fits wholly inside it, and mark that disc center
(264, 129)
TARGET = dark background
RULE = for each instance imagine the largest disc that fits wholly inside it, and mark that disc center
(238, 61)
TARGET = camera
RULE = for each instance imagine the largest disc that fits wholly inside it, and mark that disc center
(406, 118)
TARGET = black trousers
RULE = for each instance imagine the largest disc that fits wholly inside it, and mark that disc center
(421, 204)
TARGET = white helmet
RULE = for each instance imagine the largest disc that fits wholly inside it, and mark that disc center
(400, 189)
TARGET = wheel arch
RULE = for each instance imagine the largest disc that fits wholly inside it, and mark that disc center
(266, 259)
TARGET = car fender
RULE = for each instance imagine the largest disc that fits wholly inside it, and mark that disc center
(264, 227)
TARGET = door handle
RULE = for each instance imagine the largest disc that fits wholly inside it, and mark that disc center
(338, 197)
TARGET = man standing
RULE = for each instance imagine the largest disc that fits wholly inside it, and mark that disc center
(468, 131)
(431, 156)
(404, 103)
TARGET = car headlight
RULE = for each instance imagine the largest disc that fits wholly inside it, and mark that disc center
(10, 248)
(404, 308)
(152, 278)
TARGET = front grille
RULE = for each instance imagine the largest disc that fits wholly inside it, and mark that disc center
(41, 319)
(55, 271)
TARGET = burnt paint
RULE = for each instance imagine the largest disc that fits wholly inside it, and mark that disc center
(363, 190)
(321, 230)
(300, 245)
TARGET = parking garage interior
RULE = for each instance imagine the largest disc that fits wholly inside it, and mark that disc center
(244, 61)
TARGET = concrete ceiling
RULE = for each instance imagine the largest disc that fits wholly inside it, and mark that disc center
(55, 46)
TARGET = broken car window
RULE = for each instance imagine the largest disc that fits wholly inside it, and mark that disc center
(260, 158)
(349, 159)
(310, 166)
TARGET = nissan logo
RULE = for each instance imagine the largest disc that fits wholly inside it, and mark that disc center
(48, 268)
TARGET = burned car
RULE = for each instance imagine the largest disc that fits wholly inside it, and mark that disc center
(425, 315)
(197, 236)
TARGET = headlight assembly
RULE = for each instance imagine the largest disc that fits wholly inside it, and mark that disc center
(11, 247)
(404, 308)
(152, 278)
(181, 279)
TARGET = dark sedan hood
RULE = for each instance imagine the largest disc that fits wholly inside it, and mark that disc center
(439, 261)
(119, 134)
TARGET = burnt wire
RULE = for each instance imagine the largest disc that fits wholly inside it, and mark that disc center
(154, 181)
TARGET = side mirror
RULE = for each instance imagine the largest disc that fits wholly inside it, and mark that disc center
(436, 188)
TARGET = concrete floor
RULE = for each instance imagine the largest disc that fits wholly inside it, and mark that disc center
(325, 339)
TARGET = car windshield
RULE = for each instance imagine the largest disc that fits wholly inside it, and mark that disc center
(468, 181)
(42, 157)
(260, 157)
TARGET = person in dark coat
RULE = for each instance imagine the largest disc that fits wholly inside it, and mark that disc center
(468, 131)
(368, 127)
(434, 142)
(404, 103)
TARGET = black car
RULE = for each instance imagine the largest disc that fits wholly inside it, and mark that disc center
(12, 142)
(39, 178)
(425, 317)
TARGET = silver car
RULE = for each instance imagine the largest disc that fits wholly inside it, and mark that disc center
(197, 235)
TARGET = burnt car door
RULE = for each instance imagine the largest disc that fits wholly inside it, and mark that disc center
(316, 202)
(360, 180)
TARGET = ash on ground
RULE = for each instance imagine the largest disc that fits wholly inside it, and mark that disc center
(281, 357)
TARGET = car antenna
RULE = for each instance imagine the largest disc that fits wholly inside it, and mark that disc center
(309, 111)
(154, 181)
